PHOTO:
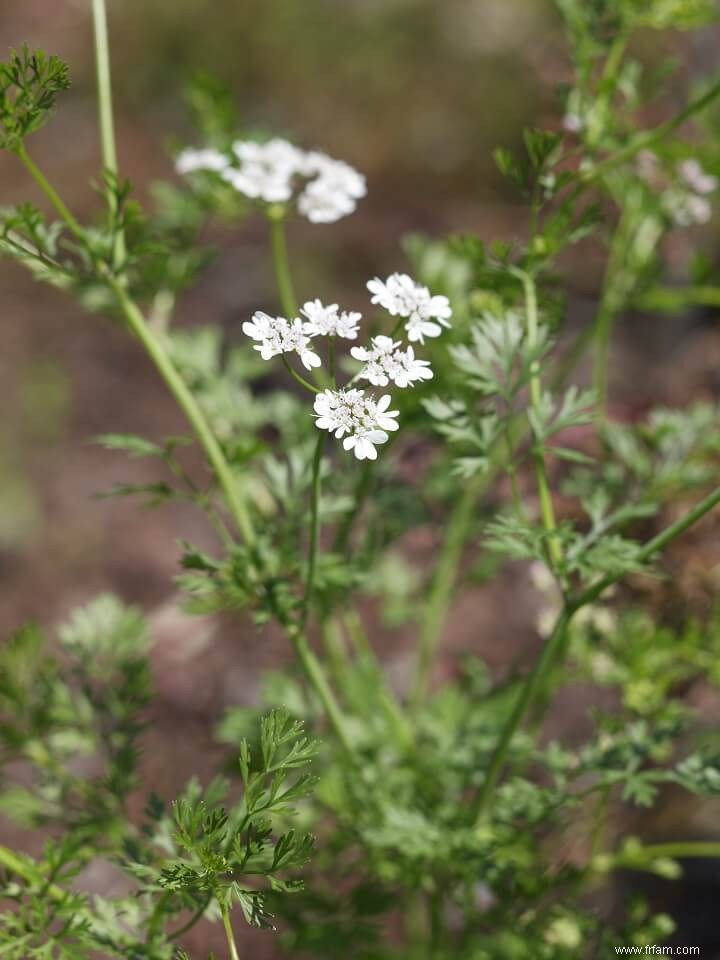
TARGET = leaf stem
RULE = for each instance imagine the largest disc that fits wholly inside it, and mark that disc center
(29, 873)
(52, 195)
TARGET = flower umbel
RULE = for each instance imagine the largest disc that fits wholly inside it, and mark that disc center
(385, 362)
(276, 171)
(425, 314)
(329, 321)
(276, 335)
(360, 419)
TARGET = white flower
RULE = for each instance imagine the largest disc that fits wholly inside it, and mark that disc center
(276, 335)
(274, 171)
(696, 178)
(687, 208)
(572, 122)
(333, 190)
(360, 419)
(328, 321)
(426, 315)
(190, 160)
(266, 171)
(385, 362)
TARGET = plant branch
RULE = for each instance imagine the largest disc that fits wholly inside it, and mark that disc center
(555, 643)
(230, 936)
(314, 528)
(281, 266)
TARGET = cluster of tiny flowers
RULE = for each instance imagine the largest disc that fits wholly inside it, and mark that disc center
(276, 335)
(362, 421)
(330, 321)
(687, 202)
(276, 171)
(385, 362)
(425, 314)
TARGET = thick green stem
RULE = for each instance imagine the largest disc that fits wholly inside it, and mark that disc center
(547, 512)
(281, 266)
(105, 112)
(677, 850)
(555, 643)
(678, 298)
(230, 936)
(188, 404)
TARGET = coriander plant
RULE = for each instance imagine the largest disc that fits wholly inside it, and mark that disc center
(415, 820)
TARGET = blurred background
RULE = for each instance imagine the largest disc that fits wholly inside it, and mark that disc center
(416, 94)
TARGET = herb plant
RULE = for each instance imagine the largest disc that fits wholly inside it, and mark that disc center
(447, 823)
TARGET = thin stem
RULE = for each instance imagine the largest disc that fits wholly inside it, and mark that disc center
(555, 643)
(50, 192)
(601, 359)
(314, 528)
(435, 611)
(227, 925)
(677, 850)
(281, 266)
(187, 402)
(296, 376)
(318, 681)
(105, 113)
(530, 688)
(547, 511)
(600, 814)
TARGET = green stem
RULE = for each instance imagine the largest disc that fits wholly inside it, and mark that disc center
(50, 192)
(318, 681)
(651, 137)
(314, 528)
(599, 820)
(530, 688)
(677, 850)
(227, 925)
(601, 359)
(297, 377)
(188, 404)
(547, 511)
(678, 298)
(105, 116)
(555, 642)
(438, 603)
(281, 266)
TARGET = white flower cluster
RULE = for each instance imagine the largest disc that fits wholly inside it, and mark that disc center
(686, 202)
(361, 420)
(276, 335)
(425, 314)
(276, 171)
(384, 361)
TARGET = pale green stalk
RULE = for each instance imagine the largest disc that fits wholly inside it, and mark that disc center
(547, 511)
(105, 109)
(314, 527)
(281, 265)
(230, 936)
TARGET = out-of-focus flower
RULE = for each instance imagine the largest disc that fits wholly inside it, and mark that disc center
(401, 296)
(333, 190)
(276, 335)
(329, 321)
(385, 362)
(191, 160)
(696, 178)
(361, 420)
